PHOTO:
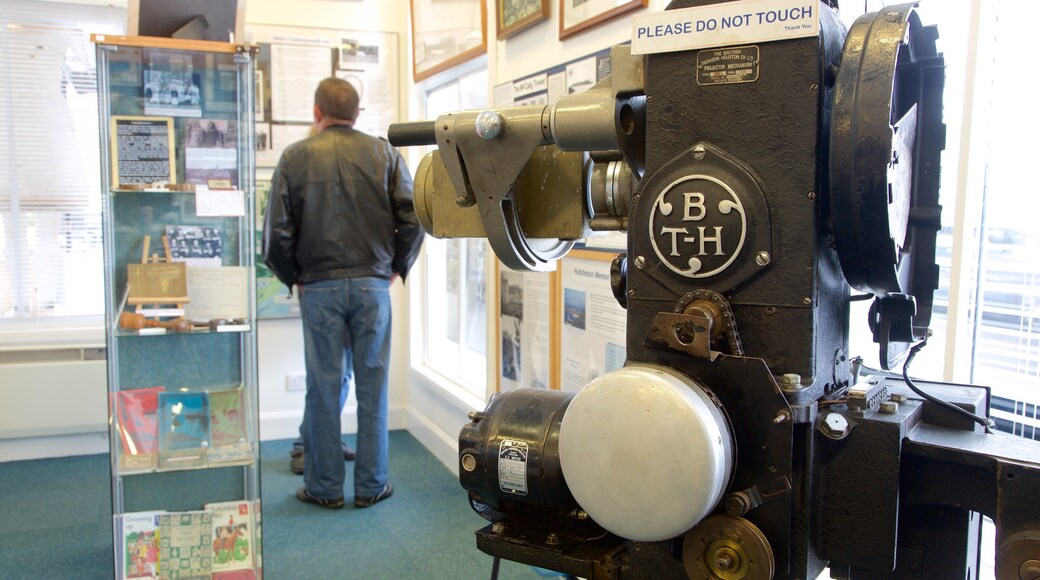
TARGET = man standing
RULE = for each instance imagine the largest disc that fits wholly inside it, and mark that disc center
(340, 225)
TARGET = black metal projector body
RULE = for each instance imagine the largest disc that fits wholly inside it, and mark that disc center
(759, 203)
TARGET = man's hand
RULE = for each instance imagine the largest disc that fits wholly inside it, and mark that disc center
(394, 278)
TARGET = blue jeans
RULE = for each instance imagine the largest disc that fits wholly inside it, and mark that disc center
(348, 372)
(359, 307)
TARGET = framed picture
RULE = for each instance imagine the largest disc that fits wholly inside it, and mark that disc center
(445, 34)
(516, 15)
(580, 15)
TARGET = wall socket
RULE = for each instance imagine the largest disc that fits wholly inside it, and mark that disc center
(296, 382)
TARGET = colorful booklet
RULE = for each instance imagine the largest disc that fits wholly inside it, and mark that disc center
(235, 575)
(186, 544)
(233, 540)
(140, 544)
(137, 425)
(229, 440)
(184, 433)
(258, 530)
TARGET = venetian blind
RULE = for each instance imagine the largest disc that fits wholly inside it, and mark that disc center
(1006, 353)
(50, 200)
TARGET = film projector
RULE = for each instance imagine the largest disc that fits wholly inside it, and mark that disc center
(763, 187)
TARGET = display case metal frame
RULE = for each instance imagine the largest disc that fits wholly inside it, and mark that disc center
(200, 359)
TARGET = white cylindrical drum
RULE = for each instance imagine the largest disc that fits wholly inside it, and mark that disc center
(646, 452)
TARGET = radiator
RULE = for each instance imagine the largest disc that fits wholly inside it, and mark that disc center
(52, 391)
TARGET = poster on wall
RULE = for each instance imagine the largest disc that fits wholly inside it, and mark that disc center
(272, 297)
(592, 338)
(294, 59)
(296, 70)
(524, 323)
(367, 60)
(276, 137)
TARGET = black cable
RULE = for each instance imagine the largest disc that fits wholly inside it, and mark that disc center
(984, 421)
(494, 568)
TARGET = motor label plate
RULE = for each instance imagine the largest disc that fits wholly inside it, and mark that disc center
(512, 467)
(724, 66)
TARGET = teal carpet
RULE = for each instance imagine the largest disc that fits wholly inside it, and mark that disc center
(55, 523)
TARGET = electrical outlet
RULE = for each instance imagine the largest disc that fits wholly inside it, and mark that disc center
(296, 382)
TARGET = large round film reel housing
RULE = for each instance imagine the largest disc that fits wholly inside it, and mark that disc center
(886, 139)
(646, 452)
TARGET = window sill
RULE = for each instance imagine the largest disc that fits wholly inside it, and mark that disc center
(461, 397)
(39, 333)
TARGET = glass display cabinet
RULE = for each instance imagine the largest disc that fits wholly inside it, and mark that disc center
(177, 140)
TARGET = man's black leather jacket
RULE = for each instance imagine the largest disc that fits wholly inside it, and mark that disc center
(340, 207)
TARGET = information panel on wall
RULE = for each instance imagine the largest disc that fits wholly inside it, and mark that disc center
(293, 60)
(544, 87)
(291, 63)
(592, 336)
(525, 323)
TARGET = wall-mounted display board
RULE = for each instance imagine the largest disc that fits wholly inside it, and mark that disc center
(291, 62)
(592, 330)
(272, 297)
(547, 85)
(294, 59)
(544, 87)
(528, 324)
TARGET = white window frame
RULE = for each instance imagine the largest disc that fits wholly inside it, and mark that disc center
(474, 393)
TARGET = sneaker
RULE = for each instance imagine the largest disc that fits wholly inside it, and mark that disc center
(364, 502)
(333, 504)
(296, 463)
(348, 453)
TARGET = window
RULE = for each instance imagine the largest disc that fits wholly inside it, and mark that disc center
(1005, 328)
(50, 202)
(455, 289)
(986, 320)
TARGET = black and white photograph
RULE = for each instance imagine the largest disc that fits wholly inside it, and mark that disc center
(353, 51)
(263, 136)
(209, 150)
(195, 245)
(172, 93)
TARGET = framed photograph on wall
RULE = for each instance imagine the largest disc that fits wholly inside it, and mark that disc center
(581, 15)
(446, 33)
(513, 16)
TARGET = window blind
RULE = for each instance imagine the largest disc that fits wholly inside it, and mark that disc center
(1006, 353)
(50, 200)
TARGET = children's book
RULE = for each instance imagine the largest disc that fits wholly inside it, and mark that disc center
(186, 544)
(140, 544)
(233, 540)
(258, 534)
(229, 439)
(235, 575)
(184, 433)
(138, 428)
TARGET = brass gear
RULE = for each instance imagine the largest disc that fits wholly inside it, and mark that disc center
(725, 547)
